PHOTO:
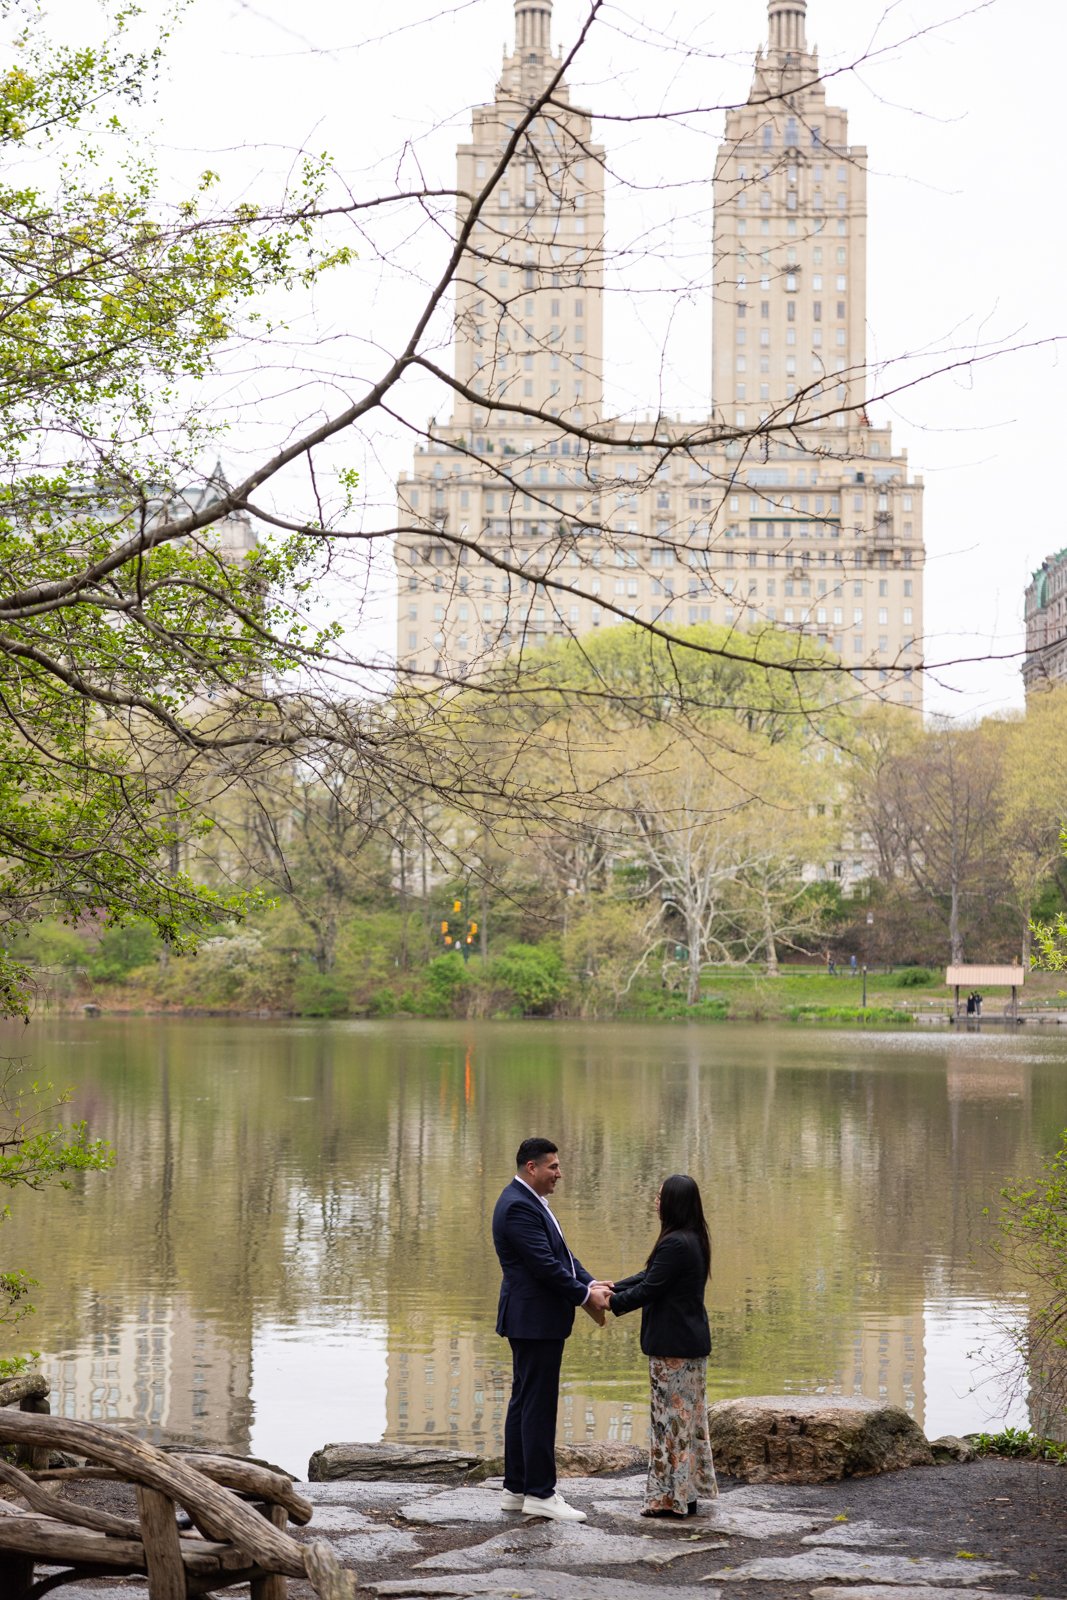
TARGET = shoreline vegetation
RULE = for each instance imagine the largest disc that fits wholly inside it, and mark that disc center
(385, 970)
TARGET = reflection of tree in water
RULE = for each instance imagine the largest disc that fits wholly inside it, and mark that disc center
(346, 1175)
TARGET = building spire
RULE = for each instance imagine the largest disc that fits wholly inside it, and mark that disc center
(533, 24)
(785, 26)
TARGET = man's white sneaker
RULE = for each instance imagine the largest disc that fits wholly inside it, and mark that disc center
(510, 1501)
(554, 1507)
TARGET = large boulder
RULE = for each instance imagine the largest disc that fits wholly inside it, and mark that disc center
(599, 1460)
(812, 1438)
(950, 1447)
(370, 1463)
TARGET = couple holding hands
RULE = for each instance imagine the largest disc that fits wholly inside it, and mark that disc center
(542, 1286)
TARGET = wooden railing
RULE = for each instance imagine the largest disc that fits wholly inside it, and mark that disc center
(230, 1541)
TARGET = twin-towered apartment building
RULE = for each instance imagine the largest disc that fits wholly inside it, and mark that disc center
(782, 507)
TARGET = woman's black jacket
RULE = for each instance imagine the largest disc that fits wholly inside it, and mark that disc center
(670, 1292)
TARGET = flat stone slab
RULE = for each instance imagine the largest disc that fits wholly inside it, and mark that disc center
(816, 1565)
(381, 1545)
(859, 1533)
(914, 1591)
(807, 1438)
(374, 1462)
(350, 1492)
(566, 1544)
(719, 1517)
(537, 1583)
(474, 1504)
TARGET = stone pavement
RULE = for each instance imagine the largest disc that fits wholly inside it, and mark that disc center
(846, 1541)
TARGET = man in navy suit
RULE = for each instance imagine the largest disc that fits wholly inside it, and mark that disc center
(543, 1283)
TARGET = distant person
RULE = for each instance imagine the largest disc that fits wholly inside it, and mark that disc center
(977, 1004)
(970, 1005)
(677, 1340)
(543, 1283)
(852, 965)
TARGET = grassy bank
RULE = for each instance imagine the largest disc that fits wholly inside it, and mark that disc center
(382, 968)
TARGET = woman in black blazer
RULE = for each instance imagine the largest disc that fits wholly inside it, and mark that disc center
(677, 1341)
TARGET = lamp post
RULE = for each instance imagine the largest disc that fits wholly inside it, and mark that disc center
(867, 955)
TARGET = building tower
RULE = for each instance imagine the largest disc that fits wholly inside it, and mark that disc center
(810, 523)
(790, 242)
(529, 320)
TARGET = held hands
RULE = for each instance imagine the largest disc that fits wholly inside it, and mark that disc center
(600, 1292)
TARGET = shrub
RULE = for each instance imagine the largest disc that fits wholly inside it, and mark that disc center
(121, 950)
(914, 978)
(316, 994)
(814, 1013)
(1019, 1442)
(533, 974)
(446, 979)
(1033, 1238)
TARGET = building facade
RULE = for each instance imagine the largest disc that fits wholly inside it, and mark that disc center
(1045, 611)
(531, 515)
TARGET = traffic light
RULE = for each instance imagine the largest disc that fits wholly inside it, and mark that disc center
(473, 929)
(444, 927)
(457, 906)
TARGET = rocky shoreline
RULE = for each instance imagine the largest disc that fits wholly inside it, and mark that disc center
(417, 1524)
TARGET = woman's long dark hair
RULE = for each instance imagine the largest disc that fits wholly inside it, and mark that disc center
(680, 1211)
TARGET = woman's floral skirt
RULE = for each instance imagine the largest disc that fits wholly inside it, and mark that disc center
(680, 1468)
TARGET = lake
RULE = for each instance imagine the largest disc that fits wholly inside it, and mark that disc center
(294, 1246)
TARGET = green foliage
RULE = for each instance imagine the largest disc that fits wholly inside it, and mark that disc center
(316, 994)
(117, 636)
(121, 950)
(1033, 1237)
(1050, 939)
(913, 978)
(1019, 1443)
(817, 1013)
(36, 1153)
(638, 676)
(666, 1007)
(533, 975)
(446, 979)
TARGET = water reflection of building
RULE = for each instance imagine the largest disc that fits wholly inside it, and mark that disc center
(163, 1370)
(455, 1390)
(885, 1362)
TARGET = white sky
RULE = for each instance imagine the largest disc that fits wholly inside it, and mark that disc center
(966, 230)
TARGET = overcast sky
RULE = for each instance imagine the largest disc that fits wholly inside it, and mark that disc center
(965, 228)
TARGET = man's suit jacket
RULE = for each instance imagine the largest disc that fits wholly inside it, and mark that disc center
(543, 1281)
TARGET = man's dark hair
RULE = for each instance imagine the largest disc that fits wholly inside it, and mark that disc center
(534, 1150)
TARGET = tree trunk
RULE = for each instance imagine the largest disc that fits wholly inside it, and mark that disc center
(954, 937)
(770, 948)
(692, 933)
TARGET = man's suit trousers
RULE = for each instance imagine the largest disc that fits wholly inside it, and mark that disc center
(530, 1428)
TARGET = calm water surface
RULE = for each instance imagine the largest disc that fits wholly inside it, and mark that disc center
(295, 1247)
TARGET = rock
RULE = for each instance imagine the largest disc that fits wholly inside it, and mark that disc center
(859, 1533)
(598, 1460)
(471, 1504)
(347, 1492)
(717, 1516)
(952, 1448)
(910, 1591)
(381, 1545)
(366, 1463)
(852, 1566)
(588, 1460)
(537, 1584)
(566, 1545)
(812, 1438)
